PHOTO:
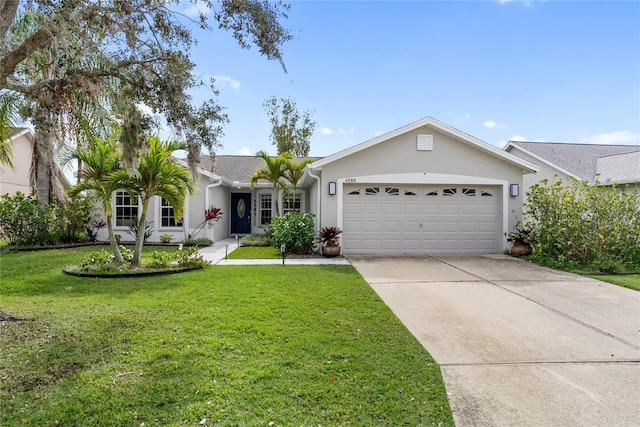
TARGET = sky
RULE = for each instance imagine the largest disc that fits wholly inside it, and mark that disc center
(499, 70)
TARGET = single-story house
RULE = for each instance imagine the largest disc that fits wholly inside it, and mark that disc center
(425, 187)
(18, 178)
(593, 163)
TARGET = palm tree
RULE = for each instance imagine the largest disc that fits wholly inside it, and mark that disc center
(99, 163)
(273, 171)
(158, 175)
(295, 172)
(8, 121)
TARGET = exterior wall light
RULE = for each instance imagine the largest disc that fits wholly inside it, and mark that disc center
(514, 190)
(332, 188)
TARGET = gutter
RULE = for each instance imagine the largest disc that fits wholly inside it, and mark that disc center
(317, 178)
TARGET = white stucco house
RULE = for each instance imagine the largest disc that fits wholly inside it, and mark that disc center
(425, 187)
(17, 178)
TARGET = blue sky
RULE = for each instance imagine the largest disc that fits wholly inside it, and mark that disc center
(562, 71)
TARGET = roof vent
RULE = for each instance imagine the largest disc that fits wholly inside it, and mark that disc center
(425, 142)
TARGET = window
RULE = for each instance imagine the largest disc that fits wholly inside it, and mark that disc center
(449, 191)
(167, 218)
(354, 193)
(469, 191)
(485, 194)
(265, 209)
(409, 193)
(432, 193)
(290, 205)
(392, 191)
(126, 209)
(372, 191)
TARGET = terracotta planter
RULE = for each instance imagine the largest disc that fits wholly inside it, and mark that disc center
(331, 251)
(520, 248)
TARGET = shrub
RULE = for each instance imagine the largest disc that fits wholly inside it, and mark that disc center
(133, 230)
(579, 226)
(203, 242)
(190, 257)
(162, 259)
(104, 260)
(166, 238)
(256, 240)
(23, 221)
(295, 231)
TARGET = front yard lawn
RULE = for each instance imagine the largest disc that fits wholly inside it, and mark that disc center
(631, 281)
(226, 345)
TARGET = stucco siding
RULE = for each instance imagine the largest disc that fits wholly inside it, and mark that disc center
(17, 179)
(399, 155)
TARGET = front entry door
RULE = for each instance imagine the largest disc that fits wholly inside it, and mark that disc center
(240, 213)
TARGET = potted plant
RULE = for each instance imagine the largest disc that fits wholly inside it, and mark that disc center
(329, 238)
(520, 240)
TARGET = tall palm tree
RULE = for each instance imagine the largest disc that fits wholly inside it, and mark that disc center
(294, 173)
(158, 175)
(273, 172)
(9, 119)
(99, 163)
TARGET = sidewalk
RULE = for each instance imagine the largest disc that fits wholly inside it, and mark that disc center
(215, 254)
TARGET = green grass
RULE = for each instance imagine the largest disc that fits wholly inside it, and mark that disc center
(255, 252)
(226, 345)
(631, 281)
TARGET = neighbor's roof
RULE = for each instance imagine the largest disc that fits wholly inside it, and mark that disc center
(439, 126)
(619, 163)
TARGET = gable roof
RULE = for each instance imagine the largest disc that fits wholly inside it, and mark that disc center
(439, 126)
(236, 169)
(619, 163)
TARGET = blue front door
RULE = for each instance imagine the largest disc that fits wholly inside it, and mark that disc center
(240, 213)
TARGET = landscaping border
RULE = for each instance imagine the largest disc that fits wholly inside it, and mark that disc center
(97, 275)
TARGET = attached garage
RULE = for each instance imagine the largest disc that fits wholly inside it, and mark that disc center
(392, 218)
(422, 188)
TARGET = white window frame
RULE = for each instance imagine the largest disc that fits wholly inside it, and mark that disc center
(161, 209)
(299, 195)
(116, 206)
(259, 196)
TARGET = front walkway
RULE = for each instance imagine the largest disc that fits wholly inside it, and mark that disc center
(216, 254)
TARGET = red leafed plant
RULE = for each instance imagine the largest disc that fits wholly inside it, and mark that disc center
(211, 215)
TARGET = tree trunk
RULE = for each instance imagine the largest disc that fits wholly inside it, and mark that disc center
(112, 240)
(42, 164)
(275, 200)
(137, 251)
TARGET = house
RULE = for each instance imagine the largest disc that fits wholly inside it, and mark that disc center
(425, 187)
(18, 178)
(604, 164)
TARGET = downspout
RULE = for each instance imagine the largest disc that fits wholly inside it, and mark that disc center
(317, 178)
(206, 199)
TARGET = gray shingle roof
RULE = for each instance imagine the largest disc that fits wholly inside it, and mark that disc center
(588, 160)
(235, 168)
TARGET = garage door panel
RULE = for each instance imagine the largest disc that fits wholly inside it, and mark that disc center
(409, 220)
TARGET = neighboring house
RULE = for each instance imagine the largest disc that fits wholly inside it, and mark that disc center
(17, 179)
(606, 164)
(425, 187)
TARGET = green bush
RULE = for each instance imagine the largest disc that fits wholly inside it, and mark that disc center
(203, 242)
(578, 226)
(256, 240)
(295, 231)
(24, 222)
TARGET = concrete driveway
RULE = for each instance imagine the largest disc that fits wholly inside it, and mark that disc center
(518, 344)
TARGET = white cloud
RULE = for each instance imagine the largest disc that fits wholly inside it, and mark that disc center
(226, 81)
(517, 138)
(349, 131)
(194, 10)
(617, 137)
(325, 131)
(245, 151)
(491, 124)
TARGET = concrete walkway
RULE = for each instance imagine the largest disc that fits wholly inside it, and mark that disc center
(217, 252)
(518, 344)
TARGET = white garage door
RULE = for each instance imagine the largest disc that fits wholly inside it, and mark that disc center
(421, 218)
